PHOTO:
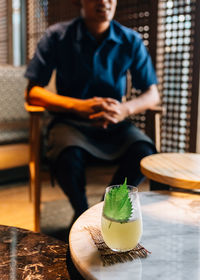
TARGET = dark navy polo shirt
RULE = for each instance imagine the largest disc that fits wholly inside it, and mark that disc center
(85, 68)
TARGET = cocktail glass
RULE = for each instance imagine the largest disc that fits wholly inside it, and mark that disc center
(118, 233)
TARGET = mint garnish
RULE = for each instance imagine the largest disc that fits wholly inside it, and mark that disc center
(117, 205)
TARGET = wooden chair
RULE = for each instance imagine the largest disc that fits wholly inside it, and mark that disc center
(36, 114)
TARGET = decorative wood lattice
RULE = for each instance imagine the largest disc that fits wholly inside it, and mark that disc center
(138, 14)
(43, 13)
(175, 71)
(4, 31)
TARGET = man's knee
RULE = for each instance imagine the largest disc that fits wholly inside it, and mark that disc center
(141, 149)
(146, 148)
(71, 157)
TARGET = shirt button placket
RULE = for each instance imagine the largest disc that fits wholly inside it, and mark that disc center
(96, 63)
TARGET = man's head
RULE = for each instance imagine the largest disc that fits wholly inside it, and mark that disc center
(97, 10)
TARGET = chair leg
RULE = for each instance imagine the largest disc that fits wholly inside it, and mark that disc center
(37, 193)
(34, 167)
(155, 186)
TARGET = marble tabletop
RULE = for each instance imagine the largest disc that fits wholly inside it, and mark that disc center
(25, 255)
(171, 231)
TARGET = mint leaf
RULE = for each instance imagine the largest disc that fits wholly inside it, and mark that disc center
(117, 204)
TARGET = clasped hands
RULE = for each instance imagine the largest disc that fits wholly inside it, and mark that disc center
(102, 111)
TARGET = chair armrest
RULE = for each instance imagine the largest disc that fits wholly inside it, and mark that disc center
(36, 113)
(33, 108)
(157, 110)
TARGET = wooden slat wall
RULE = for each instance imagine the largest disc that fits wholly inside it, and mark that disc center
(36, 24)
(6, 54)
(41, 14)
(176, 71)
(138, 14)
(61, 10)
(195, 102)
(3, 32)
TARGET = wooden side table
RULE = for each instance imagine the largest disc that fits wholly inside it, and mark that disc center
(181, 170)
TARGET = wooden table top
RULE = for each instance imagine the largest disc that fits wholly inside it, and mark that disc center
(175, 169)
(171, 225)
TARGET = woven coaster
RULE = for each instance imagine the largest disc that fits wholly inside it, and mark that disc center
(110, 257)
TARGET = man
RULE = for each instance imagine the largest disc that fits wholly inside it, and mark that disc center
(91, 55)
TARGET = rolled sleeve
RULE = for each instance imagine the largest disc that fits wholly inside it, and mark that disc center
(142, 69)
(43, 62)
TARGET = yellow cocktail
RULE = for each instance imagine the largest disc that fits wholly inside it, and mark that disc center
(121, 235)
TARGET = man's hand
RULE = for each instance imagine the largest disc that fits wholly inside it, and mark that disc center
(96, 108)
(116, 112)
(119, 111)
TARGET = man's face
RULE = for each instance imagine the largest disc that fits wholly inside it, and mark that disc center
(99, 10)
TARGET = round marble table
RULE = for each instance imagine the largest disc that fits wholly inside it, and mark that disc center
(171, 223)
(27, 255)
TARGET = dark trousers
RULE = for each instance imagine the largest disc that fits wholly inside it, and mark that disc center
(70, 171)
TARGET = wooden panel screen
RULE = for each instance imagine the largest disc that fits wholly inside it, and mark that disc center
(62, 10)
(41, 14)
(138, 14)
(5, 32)
(175, 57)
(36, 24)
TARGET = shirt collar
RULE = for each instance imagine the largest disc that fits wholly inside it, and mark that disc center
(112, 35)
(80, 31)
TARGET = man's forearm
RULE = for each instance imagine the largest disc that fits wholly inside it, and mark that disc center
(145, 101)
(36, 95)
(53, 102)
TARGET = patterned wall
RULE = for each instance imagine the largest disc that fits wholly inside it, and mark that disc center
(41, 14)
(3, 32)
(138, 14)
(175, 57)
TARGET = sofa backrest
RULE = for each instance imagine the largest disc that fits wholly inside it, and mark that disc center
(14, 120)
